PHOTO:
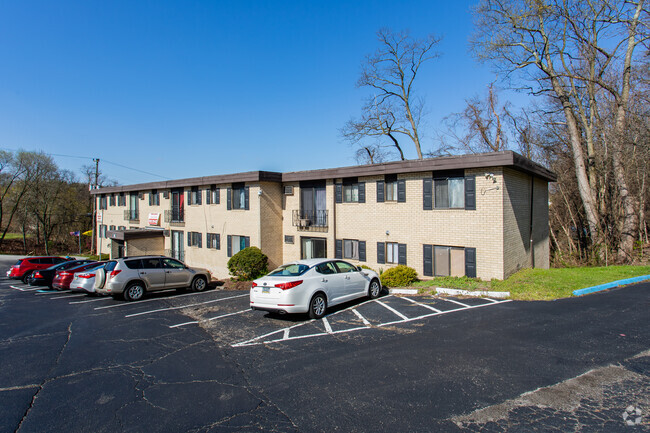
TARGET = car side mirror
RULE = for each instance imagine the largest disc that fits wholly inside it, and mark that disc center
(359, 269)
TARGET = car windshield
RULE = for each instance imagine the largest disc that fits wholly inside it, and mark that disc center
(291, 270)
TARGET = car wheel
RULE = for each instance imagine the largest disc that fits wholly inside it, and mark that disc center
(199, 284)
(374, 290)
(134, 292)
(317, 306)
(27, 276)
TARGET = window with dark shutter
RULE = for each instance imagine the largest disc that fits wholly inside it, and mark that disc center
(401, 191)
(427, 254)
(380, 191)
(247, 242)
(246, 198)
(362, 192)
(362, 251)
(229, 247)
(427, 194)
(470, 262)
(339, 193)
(401, 254)
(381, 253)
(218, 241)
(228, 202)
(470, 193)
(338, 249)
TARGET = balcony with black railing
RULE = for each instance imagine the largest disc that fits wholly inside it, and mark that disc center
(175, 216)
(131, 215)
(310, 220)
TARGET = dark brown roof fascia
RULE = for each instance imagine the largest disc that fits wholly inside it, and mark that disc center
(250, 176)
(121, 235)
(493, 159)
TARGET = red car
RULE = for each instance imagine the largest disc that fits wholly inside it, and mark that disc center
(23, 268)
(63, 278)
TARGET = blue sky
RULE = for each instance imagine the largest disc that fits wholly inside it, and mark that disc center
(193, 88)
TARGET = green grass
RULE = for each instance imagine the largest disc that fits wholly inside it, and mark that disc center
(10, 236)
(541, 284)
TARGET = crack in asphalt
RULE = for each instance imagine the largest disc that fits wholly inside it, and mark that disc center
(46, 380)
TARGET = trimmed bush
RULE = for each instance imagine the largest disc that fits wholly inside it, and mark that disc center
(399, 276)
(248, 264)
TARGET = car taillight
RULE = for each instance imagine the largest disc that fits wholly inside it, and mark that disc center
(254, 284)
(285, 286)
(38, 275)
(114, 273)
(63, 274)
(86, 275)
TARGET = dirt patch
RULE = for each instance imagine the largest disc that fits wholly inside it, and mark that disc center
(230, 284)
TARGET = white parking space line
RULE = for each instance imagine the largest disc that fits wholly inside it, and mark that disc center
(286, 331)
(184, 306)
(363, 319)
(328, 327)
(422, 305)
(17, 288)
(92, 300)
(455, 302)
(491, 300)
(53, 292)
(392, 309)
(126, 304)
(210, 319)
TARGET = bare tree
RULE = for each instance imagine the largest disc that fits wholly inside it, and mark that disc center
(393, 109)
(573, 51)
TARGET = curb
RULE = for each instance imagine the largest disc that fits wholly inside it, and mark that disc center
(611, 285)
(500, 295)
(403, 291)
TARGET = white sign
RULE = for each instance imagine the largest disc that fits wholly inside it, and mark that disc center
(154, 219)
(99, 217)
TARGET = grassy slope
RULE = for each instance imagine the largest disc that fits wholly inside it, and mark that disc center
(542, 284)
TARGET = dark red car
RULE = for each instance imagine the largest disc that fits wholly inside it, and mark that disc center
(23, 268)
(63, 278)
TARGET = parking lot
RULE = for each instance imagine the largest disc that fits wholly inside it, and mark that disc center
(206, 362)
(227, 313)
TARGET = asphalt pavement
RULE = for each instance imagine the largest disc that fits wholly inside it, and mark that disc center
(204, 362)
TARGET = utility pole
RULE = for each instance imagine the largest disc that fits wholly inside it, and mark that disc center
(92, 244)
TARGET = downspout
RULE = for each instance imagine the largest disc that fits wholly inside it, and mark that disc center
(531, 241)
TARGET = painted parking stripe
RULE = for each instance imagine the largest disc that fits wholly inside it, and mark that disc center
(455, 302)
(125, 304)
(91, 300)
(286, 331)
(17, 288)
(184, 306)
(491, 300)
(328, 327)
(392, 309)
(51, 292)
(76, 295)
(210, 319)
(363, 319)
(422, 305)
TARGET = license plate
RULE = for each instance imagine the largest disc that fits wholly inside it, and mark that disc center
(266, 290)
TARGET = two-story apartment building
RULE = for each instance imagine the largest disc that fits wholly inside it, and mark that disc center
(483, 215)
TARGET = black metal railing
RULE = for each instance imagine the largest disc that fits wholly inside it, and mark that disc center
(174, 215)
(309, 219)
(131, 215)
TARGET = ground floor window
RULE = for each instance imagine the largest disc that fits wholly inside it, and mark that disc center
(313, 248)
(194, 239)
(444, 261)
(350, 249)
(213, 240)
(392, 252)
(237, 243)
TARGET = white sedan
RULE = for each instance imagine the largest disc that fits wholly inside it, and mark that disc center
(311, 286)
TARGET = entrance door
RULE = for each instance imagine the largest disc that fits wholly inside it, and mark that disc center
(177, 245)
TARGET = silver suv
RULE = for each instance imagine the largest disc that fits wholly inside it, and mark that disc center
(132, 277)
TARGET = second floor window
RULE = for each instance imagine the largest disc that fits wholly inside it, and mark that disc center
(212, 195)
(121, 199)
(449, 193)
(351, 193)
(194, 195)
(238, 197)
(112, 200)
(391, 188)
(154, 198)
(102, 201)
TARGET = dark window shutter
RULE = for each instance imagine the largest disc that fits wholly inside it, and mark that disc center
(428, 261)
(218, 197)
(189, 239)
(362, 251)
(339, 193)
(218, 241)
(401, 254)
(380, 191)
(247, 239)
(189, 197)
(338, 249)
(362, 192)
(470, 193)
(246, 195)
(470, 262)
(229, 245)
(401, 191)
(228, 202)
(208, 198)
(381, 253)
(427, 194)
(200, 238)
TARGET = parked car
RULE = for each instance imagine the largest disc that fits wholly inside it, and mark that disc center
(85, 281)
(44, 277)
(23, 268)
(63, 277)
(132, 277)
(311, 286)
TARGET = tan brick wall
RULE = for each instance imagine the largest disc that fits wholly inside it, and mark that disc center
(270, 218)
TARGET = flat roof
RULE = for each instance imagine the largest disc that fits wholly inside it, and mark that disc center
(505, 158)
(122, 235)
